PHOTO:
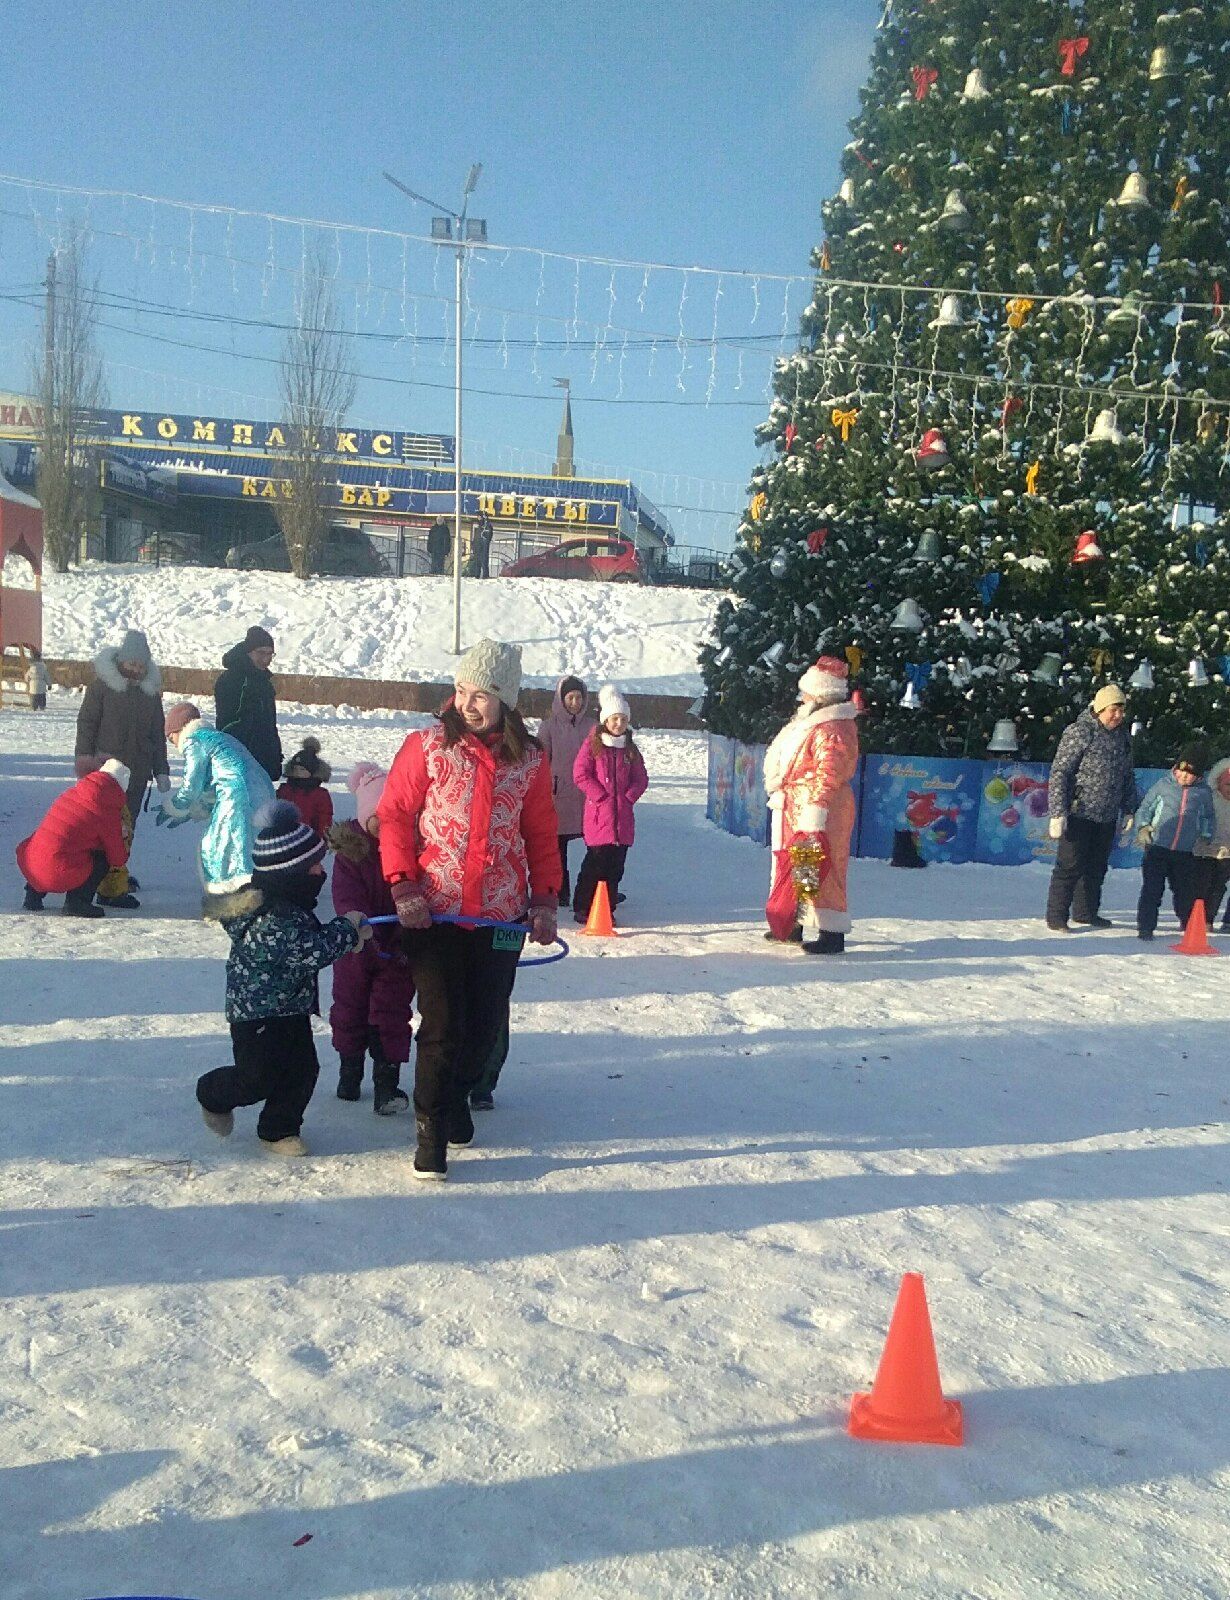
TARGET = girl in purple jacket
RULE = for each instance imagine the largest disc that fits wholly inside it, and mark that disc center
(372, 989)
(610, 773)
(561, 735)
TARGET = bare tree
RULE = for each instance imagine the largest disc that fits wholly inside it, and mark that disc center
(68, 379)
(318, 388)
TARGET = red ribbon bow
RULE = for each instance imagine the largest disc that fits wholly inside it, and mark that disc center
(1070, 52)
(815, 541)
(925, 78)
(792, 434)
(1010, 407)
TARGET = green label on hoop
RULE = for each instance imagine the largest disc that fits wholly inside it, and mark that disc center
(507, 938)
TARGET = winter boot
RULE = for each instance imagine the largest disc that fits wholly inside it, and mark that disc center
(1094, 922)
(460, 1124)
(291, 1145)
(795, 936)
(120, 902)
(81, 908)
(33, 901)
(482, 1100)
(828, 944)
(350, 1078)
(388, 1097)
(431, 1155)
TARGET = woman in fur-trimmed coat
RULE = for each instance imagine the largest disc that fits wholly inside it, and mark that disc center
(807, 772)
(121, 718)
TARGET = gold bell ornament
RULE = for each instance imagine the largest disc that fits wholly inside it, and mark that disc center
(955, 217)
(1134, 196)
(975, 86)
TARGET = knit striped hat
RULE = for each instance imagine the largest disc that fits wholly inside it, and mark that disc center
(284, 845)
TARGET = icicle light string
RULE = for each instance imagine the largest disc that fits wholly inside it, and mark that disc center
(928, 291)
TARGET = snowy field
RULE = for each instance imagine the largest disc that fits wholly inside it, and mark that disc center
(612, 1356)
(385, 627)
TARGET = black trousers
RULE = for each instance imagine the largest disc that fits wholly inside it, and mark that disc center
(1178, 868)
(275, 1061)
(38, 702)
(603, 863)
(463, 986)
(1080, 868)
(565, 839)
(1214, 875)
(84, 892)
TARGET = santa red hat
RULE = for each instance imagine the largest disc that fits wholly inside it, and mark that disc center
(829, 679)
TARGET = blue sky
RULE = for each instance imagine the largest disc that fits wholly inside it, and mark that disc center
(694, 134)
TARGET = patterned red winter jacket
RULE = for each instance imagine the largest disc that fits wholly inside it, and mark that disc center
(56, 856)
(478, 836)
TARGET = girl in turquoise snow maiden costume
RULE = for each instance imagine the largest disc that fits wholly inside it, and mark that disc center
(223, 784)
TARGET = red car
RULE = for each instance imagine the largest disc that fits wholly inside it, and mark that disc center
(604, 559)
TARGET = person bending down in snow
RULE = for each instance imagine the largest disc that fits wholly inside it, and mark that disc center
(372, 988)
(224, 786)
(807, 773)
(277, 949)
(78, 842)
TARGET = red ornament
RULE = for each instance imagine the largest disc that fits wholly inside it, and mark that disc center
(925, 79)
(815, 541)
(792, 434)
(859, 701)
(1070, 52)
(932, 452)
(1087, 549)
(898, 247)
(1009, 410)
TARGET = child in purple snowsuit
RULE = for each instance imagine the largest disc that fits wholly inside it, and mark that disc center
(561, 735)
(372, 989)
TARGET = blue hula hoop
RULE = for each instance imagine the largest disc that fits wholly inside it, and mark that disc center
(488, 922)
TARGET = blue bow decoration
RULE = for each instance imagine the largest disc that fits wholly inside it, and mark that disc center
(1225, 668)
(1065, 118)
(987, 586)
(919, 674)
(1201, 553)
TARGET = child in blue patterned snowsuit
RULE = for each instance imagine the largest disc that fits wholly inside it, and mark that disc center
(277, 949)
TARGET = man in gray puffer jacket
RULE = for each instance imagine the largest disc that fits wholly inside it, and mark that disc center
(1092, 791)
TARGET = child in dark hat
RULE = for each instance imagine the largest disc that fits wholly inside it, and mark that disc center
(1174, 818)
(277, 949)
(306, 775)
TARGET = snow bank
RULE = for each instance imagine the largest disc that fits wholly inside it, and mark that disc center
(394, 628)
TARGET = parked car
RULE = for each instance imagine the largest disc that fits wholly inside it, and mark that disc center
(347, 553)
(603, 559)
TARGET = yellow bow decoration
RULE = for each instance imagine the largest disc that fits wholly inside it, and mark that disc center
(1180, 191)
(1102, 662)
(855, 657)
(1018, 310)
(756, 505)
(1206, 427)
(844, 420)
(1031, 477)
(826, 257)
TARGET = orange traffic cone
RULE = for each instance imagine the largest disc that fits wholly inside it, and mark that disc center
(1195, 940)
(906, 1403)
(600, 922)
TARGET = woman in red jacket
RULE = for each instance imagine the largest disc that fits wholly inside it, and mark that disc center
(467, 828)
(78, 842)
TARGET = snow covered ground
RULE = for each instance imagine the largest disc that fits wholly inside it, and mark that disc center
(385, 627)
(612, 1356)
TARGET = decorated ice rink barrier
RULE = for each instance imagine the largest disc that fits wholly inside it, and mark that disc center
(994, 812)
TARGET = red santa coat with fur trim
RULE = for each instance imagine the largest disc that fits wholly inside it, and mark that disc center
(56, 856)
(807, 772)
(476, 834)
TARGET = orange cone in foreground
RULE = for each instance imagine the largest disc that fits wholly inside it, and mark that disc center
(1195, 940)
(600, 913)
(906, 1403)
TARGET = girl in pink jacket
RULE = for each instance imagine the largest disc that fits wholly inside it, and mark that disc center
(610, 773)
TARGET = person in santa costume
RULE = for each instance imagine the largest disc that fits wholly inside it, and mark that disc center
(807, 773)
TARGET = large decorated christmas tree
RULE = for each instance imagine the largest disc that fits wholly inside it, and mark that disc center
(996, 472)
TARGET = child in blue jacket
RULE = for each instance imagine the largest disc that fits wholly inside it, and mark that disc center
(1175, 815)
(277, 949)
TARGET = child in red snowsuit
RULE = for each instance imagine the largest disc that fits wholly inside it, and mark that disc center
(78, 842)
(372, 989)
(305, 776)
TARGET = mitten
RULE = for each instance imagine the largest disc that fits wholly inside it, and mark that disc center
(163, 782)
(1056, 827)
(542, 924)
(1144, 837)
(411, 905)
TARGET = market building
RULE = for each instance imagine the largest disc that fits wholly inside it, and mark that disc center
(182, 487)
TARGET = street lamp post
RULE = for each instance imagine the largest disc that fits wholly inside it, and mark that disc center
(470, 231)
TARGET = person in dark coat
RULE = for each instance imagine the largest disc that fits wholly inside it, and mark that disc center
(1092, 791)
(480, 547)
(439, 543)
(245, 703)
(561, 735)
(277, 949)
(77, 843)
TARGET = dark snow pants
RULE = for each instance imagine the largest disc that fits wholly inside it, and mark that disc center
(84, 893)
(1214, 875)
(275, 1061)
(565, 839)
(463, 987)
(603, 863)
(1178, 868)
(1080, 868)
